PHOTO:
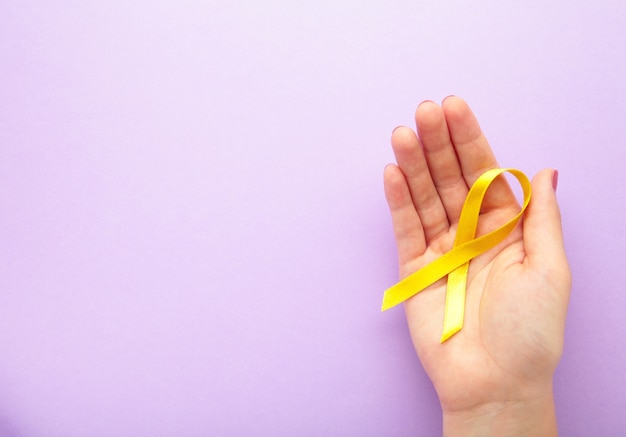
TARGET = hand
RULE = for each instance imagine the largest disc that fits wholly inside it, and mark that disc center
(494, 377)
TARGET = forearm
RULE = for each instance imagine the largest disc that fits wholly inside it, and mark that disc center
(533, 417)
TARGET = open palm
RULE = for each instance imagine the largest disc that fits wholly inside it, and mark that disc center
(517, 293)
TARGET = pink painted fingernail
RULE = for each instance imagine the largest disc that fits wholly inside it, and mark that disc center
(555, 179)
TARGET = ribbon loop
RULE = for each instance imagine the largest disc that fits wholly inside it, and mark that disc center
(455, 263)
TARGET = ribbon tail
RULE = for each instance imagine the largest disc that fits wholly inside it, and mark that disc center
(455, 302)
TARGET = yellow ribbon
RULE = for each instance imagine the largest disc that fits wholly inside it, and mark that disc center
(455, 263)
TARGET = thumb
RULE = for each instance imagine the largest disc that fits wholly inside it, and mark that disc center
(543, 234)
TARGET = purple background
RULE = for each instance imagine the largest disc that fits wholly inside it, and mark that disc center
(193, 234)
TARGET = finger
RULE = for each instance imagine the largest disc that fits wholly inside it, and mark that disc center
(474, 154)
(441, 157)
(407, 227)
(411, 160)
(543, 235)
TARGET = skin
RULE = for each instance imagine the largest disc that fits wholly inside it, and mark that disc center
(494, 377)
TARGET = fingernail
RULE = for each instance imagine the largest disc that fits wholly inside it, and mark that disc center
(395, 128)
(447, 97)
(425, 101)
(555, 179)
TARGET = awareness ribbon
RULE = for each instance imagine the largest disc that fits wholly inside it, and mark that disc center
(455, 263)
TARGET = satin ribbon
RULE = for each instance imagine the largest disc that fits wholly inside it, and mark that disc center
(455, 263)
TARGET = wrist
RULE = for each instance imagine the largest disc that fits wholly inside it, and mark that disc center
(531, 416)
